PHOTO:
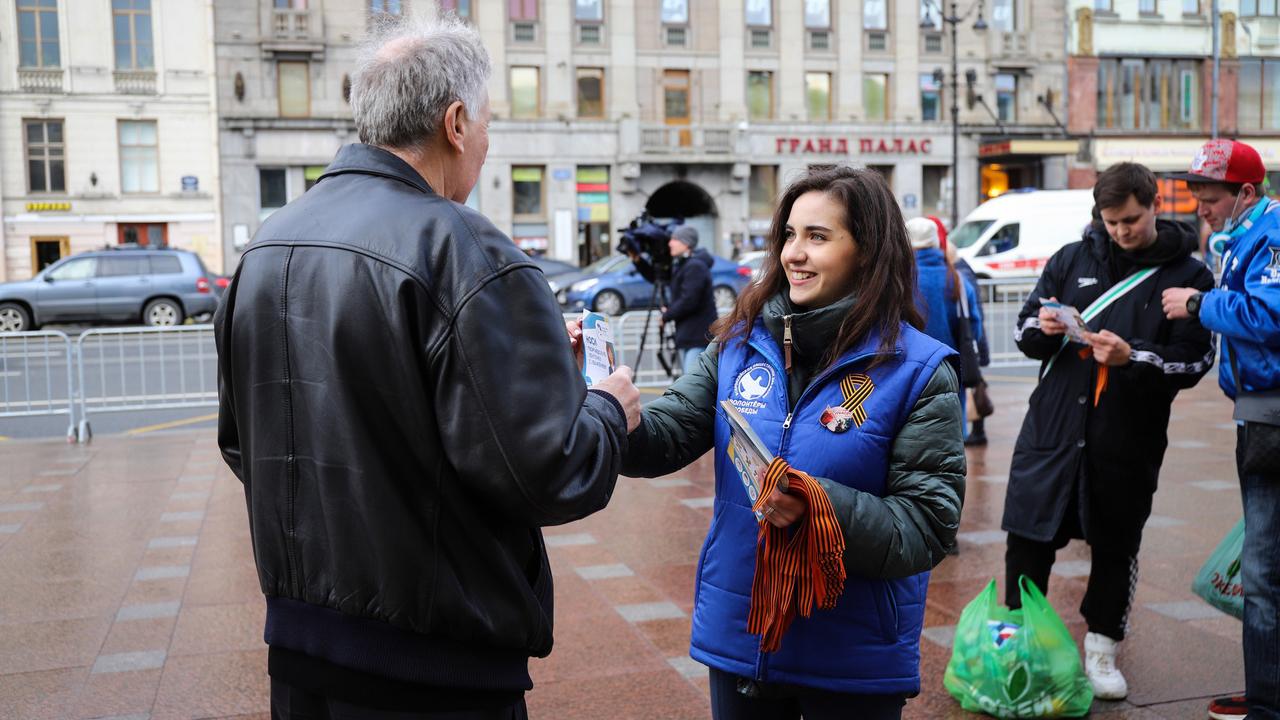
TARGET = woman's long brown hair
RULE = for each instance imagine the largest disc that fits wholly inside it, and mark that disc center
(886, 278)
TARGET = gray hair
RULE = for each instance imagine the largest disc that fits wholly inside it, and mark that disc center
(410, 70)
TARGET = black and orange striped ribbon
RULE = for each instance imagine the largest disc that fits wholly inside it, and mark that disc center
(796, 566)
(856, 388)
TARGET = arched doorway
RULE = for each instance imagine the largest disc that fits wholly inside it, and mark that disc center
(687, 201)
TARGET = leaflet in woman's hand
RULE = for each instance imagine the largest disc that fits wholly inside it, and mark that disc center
(1069, 316)
(597, 347)
(747, 452)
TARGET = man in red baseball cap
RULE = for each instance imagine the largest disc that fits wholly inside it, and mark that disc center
(1244, 310)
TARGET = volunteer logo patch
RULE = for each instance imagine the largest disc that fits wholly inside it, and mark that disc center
(1086, 282)
(754, 382)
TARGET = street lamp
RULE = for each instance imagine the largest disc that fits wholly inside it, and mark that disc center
(954, 20)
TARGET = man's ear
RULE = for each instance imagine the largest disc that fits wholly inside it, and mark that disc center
(455, 124)
(1157, 203)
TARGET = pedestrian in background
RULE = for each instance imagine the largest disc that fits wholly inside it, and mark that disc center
(1088, 457)
(398, 399)
(978, 401)
(824, 360)
(944, 298)
(1226, 179)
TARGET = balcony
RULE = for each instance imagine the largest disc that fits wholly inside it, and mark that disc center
(291, 24)
(135, 82)
(40, 80)
(1011, 45)
(668, 139)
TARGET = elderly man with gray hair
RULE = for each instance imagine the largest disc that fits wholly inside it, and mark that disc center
(401, 404)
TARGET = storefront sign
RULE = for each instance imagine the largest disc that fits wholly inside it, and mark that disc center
(1029, 147)
(840, 146)
(48, 207)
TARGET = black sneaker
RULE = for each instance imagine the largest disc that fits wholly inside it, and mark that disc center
(976, 440)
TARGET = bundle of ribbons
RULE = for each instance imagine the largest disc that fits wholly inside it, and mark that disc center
(796, 566)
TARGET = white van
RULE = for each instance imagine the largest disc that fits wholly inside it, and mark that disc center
(1015, 234)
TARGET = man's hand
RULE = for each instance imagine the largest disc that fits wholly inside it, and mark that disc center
(619, 385)
(1174, 301)
(574, 328)
(1049, 324)
(1108, 348)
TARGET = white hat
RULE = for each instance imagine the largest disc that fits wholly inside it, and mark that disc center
(922, 233)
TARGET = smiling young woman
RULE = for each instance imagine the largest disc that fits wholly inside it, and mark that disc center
(824, 361)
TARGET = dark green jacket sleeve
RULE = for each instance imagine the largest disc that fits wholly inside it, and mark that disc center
(678, 427)
(910, 529)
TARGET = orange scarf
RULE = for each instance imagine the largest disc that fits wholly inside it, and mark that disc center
(796, 565)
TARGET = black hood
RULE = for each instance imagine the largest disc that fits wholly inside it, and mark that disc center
(701, 255)
(1175, 241)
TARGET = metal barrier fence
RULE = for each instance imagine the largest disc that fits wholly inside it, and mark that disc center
(1002, 300)
(36, 377)
(124, 369)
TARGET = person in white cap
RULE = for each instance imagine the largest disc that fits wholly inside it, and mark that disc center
(1244, 310)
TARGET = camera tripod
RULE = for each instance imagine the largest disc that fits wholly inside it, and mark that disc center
(656, 300)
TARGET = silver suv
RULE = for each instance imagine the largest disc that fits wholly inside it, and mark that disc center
(155, 287)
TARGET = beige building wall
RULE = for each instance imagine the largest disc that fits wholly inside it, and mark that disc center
(91, 96)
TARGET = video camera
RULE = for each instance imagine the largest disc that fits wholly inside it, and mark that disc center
(648, 237)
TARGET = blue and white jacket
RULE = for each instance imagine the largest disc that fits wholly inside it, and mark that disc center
(1245, 308)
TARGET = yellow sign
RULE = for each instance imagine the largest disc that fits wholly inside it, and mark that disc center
(48, 207)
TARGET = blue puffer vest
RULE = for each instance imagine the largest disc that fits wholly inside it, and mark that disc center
(870, 642)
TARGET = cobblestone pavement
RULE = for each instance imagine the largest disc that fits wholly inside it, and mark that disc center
(129, 589)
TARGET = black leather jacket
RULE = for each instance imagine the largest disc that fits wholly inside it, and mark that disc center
(399, 400)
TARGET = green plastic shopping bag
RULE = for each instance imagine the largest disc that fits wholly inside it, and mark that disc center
(1218, 582)
(1016, 663)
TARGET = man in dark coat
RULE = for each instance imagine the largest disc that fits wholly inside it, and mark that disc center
(693, 304)
(1087, 459)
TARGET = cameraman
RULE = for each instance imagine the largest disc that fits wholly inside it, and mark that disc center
(693, 305)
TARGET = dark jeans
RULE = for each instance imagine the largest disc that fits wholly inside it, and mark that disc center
(293, 703)
(1113, 577)
(1260, 576)
(790, 702)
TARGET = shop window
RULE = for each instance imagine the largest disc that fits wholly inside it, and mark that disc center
(933, 199)
(1148, 94)
(152, 235)
(527, 192)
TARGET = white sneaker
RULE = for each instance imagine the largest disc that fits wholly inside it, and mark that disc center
(1100, 667)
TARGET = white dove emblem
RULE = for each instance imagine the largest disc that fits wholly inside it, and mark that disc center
(751, 388)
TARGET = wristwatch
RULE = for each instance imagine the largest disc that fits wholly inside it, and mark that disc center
(1193, 304)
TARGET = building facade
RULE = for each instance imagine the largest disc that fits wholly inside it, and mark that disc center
(1142, 84)
(699, 109)
(106, 137)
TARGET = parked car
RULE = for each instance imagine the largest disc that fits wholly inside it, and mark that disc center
(755, 261)
(553, 269)
(612, 286)
(1015, 234)
(126, 284)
